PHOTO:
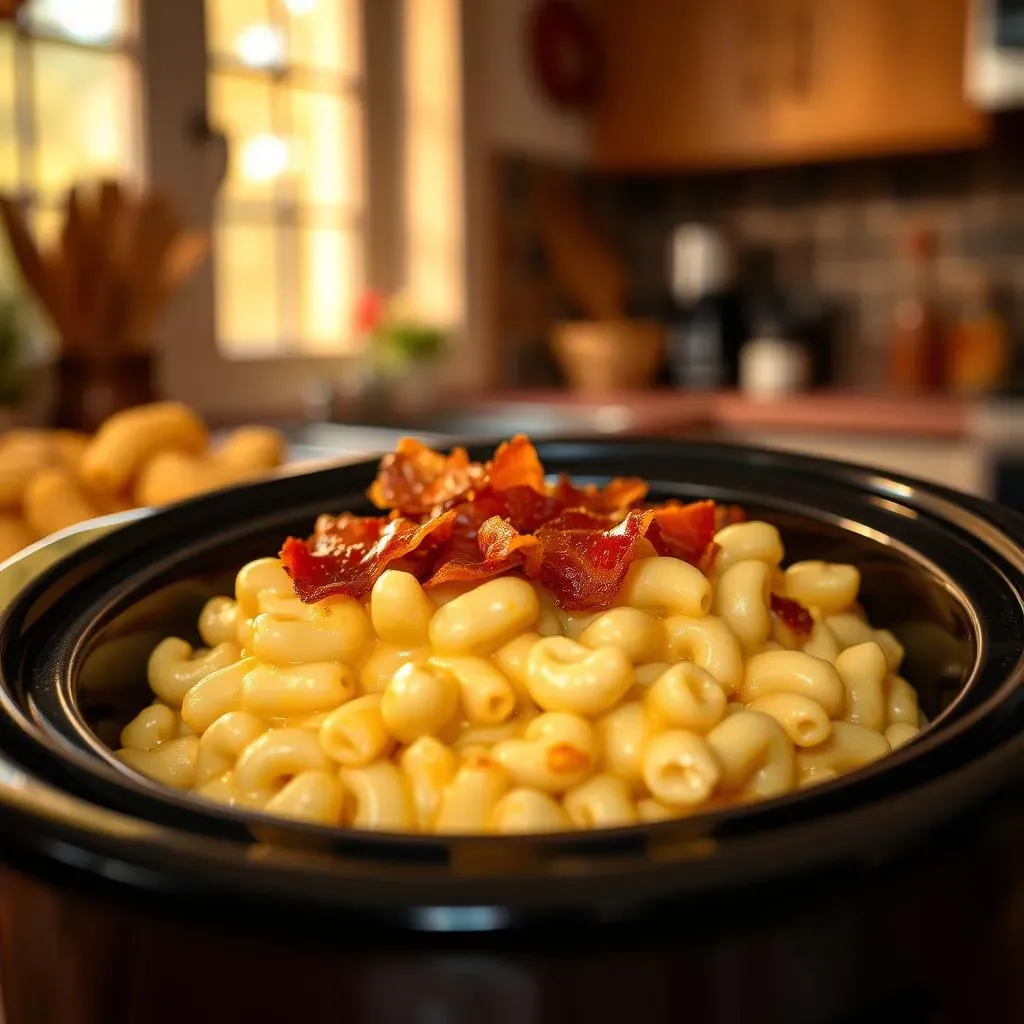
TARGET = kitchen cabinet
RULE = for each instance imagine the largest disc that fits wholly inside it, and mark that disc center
(738, 82)
(676, 92)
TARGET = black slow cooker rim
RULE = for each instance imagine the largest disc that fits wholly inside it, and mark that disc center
(107, 849)
(205, 508)
(430, 845)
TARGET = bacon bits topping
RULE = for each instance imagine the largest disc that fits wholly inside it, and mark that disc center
(792, 614)
(452, 520)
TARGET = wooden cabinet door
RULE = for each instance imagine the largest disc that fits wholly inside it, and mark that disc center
(725, 83)
(923, 49)
(828, 86)
(861, 77)
(685, 84)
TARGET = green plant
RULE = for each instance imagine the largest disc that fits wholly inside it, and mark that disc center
(12, 374)
(394, 338)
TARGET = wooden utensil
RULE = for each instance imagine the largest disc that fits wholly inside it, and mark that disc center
(95, 312)
(117, 261)
(158, 225)
(122, 267)
(184, 254)
(73, 262)
(585, 265)
(37, 272)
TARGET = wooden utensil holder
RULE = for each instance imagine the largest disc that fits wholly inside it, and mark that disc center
(90, 388)
(600, 357)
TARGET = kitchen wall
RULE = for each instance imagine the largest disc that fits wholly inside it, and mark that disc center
(852, 217)
(517, 118)
(505, 113)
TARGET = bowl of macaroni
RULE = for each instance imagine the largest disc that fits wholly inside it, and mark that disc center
(597, 663)
(520, 684)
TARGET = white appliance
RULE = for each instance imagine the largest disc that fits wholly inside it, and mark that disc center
(995, 54)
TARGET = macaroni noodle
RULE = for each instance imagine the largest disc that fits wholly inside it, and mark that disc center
(638, 634)
(623, 733)
(563, 675)
(528, 810)
(603, 801)
(755, 754)
(742, 601)
(745, 542)
(828, 588)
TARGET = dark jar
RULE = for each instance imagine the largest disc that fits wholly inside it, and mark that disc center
(92, 388)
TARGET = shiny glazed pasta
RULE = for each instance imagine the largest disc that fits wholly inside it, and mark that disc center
(484, 707)
(148, 455)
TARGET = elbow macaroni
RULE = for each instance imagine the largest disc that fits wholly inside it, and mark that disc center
(487, 709)
(742, 601)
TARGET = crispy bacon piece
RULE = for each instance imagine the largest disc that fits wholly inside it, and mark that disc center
(525, 508)
(346, 558)
(414, 479)
(336, 533)
(621, 493)
(793, 614)
(583, 564)
(684, 531)
(499, 548)
(706, 562)
(726, 515)
(455, 520)
(516, 464)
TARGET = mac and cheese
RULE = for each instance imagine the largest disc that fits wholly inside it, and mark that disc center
(487, 709)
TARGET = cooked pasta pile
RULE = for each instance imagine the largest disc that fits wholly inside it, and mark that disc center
(439, 701)
(144, 456)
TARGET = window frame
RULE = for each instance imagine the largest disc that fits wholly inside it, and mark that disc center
(23, 75)
(26, 188)
(187, 158)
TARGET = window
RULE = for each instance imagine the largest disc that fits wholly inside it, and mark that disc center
(69, 107)
(285, 85)
(298, 226)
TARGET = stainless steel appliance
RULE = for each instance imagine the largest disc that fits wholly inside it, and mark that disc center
(995, 54)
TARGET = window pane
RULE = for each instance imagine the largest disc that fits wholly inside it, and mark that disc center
(325, 34)
(240, 107)
(85, 115)
(332, 276)
(230, 22)
(85, 21)
(328, 153)
(247, 286)
(8, 135)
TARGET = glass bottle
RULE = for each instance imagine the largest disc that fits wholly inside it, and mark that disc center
(980, 342)
(917, 362)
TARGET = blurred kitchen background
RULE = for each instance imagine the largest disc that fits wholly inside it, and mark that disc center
(796, 223)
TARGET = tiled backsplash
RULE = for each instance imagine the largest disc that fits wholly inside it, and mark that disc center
(850, 218)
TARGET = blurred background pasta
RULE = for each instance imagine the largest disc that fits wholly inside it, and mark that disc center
(150, 455)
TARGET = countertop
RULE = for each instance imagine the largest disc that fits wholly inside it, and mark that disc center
(822, 411)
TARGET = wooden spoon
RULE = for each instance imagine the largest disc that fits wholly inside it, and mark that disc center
(38, 273)
(159, 223)
(184, 254)
(585, 264)
(96, 312)
(73, 259)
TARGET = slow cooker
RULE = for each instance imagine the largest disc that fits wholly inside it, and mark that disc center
(894, 893)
